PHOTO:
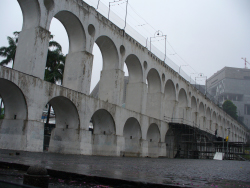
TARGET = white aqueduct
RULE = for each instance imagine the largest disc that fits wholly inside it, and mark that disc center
(139, 129)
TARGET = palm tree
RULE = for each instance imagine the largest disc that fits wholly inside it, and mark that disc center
(54, 66)
(10, 51)
(55, 62)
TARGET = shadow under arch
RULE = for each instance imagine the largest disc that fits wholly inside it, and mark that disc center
(15, 105)
(31, 13)
(65, 136)
(103, 134)
(153, 138)
(154, 94)
(201, 115)
(14, 123)
(214, 121)
(182, 105)
(109, 52)
(109, 84)
(169, 99)
(208, 119)
(135, 87)
(132, 135)
(171, 146)
(194, 111)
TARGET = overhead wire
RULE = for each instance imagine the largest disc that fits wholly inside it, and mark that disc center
(150, 33)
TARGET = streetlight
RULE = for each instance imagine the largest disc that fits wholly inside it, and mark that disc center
(180, 68)
(202, 76)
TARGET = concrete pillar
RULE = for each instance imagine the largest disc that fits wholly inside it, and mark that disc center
(144, 148)
(111, 86)
(162, 149)
(135, 98)
(32, 50)
(28, 135)
(154, 105)
(78, 71)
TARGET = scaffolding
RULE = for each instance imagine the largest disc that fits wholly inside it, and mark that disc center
(191, 142)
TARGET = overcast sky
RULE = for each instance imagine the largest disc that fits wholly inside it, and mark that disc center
(206, 34)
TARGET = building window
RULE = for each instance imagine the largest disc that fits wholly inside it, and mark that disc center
(247, 109)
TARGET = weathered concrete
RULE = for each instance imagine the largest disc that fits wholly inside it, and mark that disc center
(139, 129)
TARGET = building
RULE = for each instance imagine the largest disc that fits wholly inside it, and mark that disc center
(232, 84)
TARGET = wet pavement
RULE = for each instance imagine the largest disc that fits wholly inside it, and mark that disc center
(181, 172)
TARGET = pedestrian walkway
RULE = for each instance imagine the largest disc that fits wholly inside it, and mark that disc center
(185, 172)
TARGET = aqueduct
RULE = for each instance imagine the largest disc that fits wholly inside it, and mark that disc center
(156, 95)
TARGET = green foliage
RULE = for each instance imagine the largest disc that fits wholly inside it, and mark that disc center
(229, 107)
(55, 62)
(10, 51)
(55, 58)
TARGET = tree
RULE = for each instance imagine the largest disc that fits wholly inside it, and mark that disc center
(55, 58)
(229, 107)
(55, 62)
(10, 51)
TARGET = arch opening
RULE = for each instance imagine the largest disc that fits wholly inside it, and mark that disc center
(132, 135)
(153, 138)
(108, 82)
(103, 133)
(171, 147)
(201, 115)
(72, 41)
(14, 113)
(133, 83)
(154, 94)
(208, 118)
(169, 99)
(15, 107)
(61, 122)
(182, 105)
(194, 110)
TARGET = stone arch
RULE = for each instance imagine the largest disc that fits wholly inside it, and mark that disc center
(14, 123)
(77, 71)
(104, 130)
(153, 138)
(201, 115)
(31, 13)
(75, 31)
(182, 105)
(214, 121)
(15, 105)
(109, 52)
(103, 123)
(135, 87)
(208, 119)
(66, 113)
(194, 110)
(134, 69)
(110, 86)
(169, 99)
(171, 147)
(154, 81)
(132, 135)
(67, 123)
(154, 94)
(182, 98)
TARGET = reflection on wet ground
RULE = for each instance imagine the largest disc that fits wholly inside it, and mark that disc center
(181, 172)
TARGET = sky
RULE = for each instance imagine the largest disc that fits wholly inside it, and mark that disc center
(203, 36)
